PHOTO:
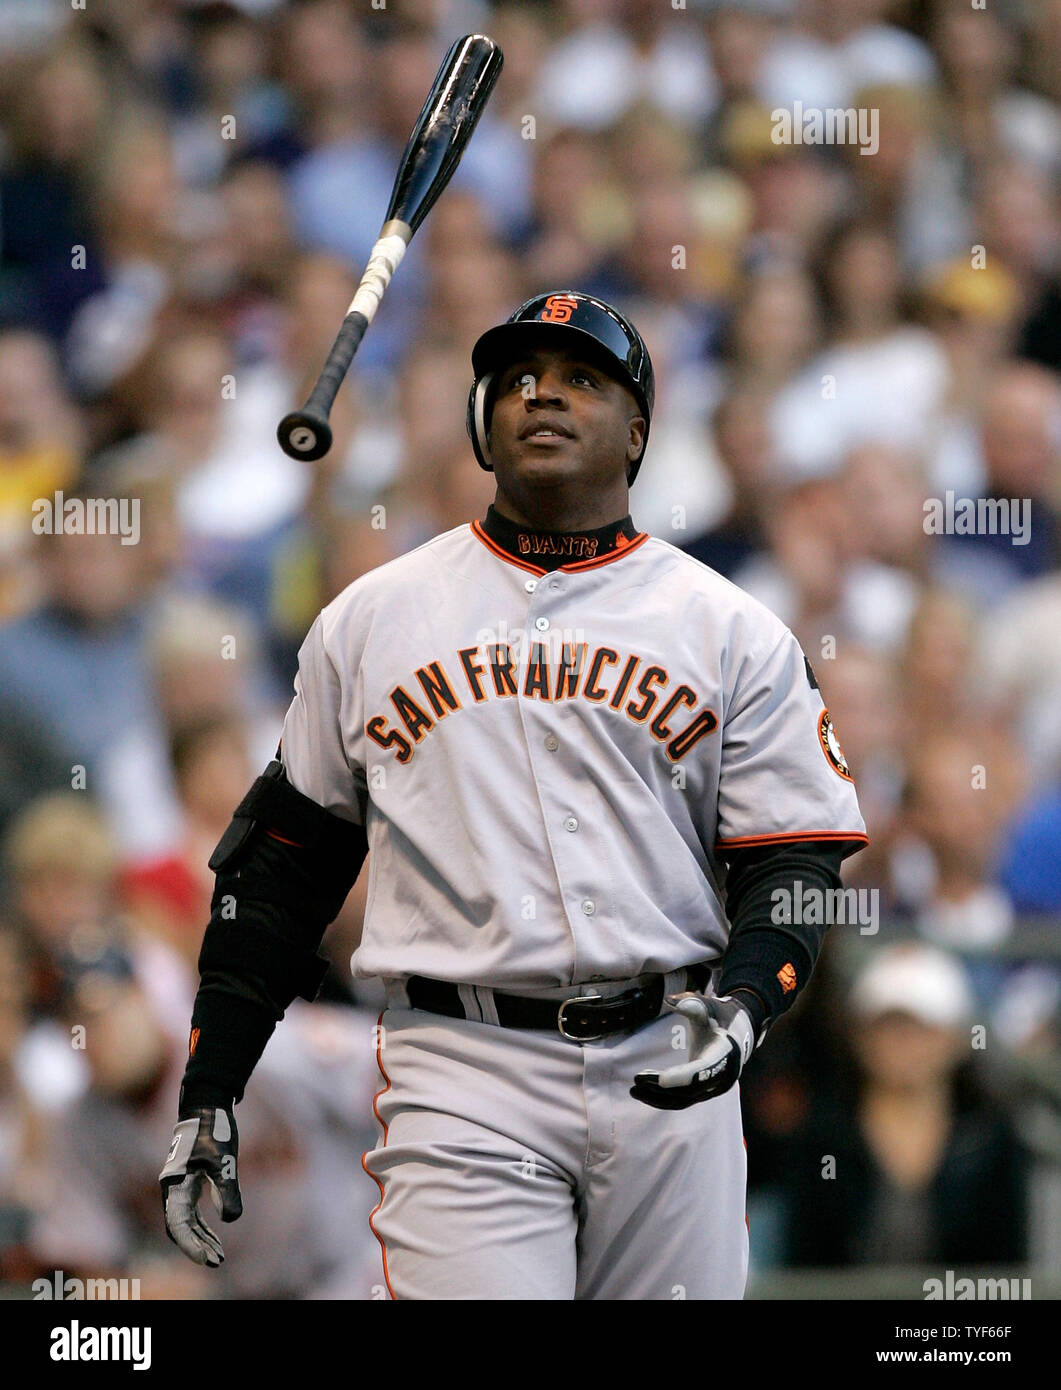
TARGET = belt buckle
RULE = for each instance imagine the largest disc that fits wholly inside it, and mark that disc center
(578, 999)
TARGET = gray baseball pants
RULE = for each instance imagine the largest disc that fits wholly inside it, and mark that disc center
(514, 1164)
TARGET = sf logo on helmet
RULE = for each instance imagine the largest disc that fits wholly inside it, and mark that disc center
(558, 308)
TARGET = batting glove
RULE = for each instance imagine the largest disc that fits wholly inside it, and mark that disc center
(203, 1150)
(722, 1038)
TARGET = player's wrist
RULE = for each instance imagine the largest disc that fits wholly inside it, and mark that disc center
(202, 1096)
(229, 1034)
(754, 1006)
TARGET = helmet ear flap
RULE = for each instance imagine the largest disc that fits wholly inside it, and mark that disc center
(477, 420)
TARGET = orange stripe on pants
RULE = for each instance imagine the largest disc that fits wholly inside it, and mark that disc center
(364, 1156)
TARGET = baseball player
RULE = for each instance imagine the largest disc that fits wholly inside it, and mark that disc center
(594, 777)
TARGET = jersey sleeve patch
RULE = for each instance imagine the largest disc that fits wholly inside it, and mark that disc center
(831, 746)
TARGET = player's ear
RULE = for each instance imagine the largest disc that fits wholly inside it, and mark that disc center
(636, 440)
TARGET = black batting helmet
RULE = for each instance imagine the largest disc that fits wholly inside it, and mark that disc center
(613, 338)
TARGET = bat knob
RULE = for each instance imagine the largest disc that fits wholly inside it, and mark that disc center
(304, 436)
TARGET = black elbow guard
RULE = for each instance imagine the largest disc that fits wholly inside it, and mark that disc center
(329, 850)
(284, 867)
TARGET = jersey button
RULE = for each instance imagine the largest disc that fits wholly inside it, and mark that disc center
(531, 585)
(541, 624)
(571, 823)
(552, 742)
(589, 907)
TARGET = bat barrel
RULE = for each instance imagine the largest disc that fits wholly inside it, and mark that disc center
(444, 126)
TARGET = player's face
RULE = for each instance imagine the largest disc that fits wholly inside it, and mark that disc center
(560, 421)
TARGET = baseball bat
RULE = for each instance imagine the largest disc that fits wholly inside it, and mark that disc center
(432, 152)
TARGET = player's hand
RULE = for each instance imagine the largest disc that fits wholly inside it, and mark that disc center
(722, 1038)
(203, 1150)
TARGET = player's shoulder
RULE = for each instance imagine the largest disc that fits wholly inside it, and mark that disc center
(700, 584)
(396, 579)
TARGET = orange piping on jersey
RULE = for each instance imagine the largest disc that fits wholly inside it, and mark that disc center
(616, 554)
(575, 566)
(379, 1117)
(746, 840)
(478, 532)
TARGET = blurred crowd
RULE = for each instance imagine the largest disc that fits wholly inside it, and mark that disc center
(188, 193)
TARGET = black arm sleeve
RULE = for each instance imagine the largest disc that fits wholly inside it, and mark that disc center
(771, 952)
(284, 868)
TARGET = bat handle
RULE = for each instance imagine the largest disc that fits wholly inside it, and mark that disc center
(306, 433)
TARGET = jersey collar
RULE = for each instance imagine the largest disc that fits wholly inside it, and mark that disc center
(542, 551)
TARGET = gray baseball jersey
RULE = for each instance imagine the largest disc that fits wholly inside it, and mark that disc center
(550, 763)
(550, 766)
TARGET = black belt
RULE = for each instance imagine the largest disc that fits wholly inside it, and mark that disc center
(579, 1018)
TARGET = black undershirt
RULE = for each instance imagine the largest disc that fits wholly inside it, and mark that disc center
(551, 549)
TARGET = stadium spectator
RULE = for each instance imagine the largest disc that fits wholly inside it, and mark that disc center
(1031, 865)
(170, 894)
(916, 1165)
(64, 866)
(775, 328)
(23, 1133)
(742, 441)
(962, 790)
(41, 436)
(1019, 537)
(58, 112)
(1020, 673)
(810, 574)
(1018, 219)
(135, 195)
(880, 378)
(77, 660)
(613, 54)
(102, 1216)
